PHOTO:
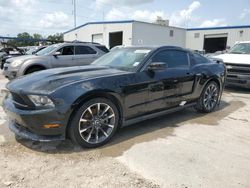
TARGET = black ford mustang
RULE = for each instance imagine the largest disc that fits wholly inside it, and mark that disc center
(130, 84)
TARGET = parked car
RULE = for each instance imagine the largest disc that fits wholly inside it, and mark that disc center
(237, 61)
(31, 51)
(9, 50)
(57, 55)
(127, 85)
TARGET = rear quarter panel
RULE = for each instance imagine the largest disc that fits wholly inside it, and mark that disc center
(207, 72)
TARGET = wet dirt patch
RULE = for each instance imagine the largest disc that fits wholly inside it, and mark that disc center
(125, 138)
(224, 110)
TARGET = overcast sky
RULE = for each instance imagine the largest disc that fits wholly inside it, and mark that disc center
(51, 16)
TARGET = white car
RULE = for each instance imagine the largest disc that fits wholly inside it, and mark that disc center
(237, 61)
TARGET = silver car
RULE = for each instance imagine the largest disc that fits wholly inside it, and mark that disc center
(54, 56)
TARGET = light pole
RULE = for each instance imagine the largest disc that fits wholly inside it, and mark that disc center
(74, 3)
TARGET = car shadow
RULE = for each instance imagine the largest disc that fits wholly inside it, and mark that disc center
(126, 137)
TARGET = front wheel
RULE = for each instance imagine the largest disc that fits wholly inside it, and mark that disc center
(94, 123)
(209, 98)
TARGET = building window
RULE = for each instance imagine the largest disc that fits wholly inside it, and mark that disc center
(171, 33)
(196, 35)
(241, 33)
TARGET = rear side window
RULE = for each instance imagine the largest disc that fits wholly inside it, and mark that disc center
(172, 58)
(102, 48)
(80, 50)
(199, 59)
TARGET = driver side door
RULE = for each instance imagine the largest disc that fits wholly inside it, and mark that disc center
(171, 85)
(65, 59)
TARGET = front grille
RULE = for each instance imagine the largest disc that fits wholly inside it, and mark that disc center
(238, 68)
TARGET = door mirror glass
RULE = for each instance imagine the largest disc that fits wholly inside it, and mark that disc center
(157, 66)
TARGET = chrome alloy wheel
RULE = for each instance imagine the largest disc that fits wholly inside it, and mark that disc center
(97, 123)
(211, 96)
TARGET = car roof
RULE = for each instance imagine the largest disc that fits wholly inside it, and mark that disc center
(153, 47)
(81, 42)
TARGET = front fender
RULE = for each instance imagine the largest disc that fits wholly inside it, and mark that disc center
(29, 63)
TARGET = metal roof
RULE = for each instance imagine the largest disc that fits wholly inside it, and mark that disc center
(131, 21)
(223, 27)
(103, 22)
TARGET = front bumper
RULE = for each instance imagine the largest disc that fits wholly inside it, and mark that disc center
(9, 72)
(240, 80)
(25, 133)
(30, 123)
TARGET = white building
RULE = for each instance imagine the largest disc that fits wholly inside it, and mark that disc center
(216, 38)
(128, 32)
(131, 32)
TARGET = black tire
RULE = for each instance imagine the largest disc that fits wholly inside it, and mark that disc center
(33, 69)
(207, 103)
(90, 126)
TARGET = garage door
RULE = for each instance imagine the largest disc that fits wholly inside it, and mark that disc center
(98, 38)
(213, 43)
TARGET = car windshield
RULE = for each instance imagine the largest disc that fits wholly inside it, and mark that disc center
(30, 51)
(47, 50)
(123, 58)
(242, 48)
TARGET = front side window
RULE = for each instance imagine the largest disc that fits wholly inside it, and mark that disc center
(172, 58)
(67, 50)
(81, 50)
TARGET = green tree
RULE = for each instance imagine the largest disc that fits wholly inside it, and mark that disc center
(37, 38)
(58, 37)
(25, 39)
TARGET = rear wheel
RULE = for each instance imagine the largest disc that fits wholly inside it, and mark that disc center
(209, 97)
(94, 123)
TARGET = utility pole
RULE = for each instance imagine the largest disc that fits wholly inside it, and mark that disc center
(74, 3)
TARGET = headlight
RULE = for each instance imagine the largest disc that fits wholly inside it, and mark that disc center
(41, 101)
(16, 63)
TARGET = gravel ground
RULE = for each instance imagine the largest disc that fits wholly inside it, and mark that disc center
(183, 149)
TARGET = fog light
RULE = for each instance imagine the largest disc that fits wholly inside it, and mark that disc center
(48, 126)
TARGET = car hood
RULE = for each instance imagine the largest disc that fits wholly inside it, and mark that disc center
(24, 58)
(47, 81)
(235, 58)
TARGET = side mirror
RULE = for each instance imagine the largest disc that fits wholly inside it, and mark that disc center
(57, 54)
(157, 66)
